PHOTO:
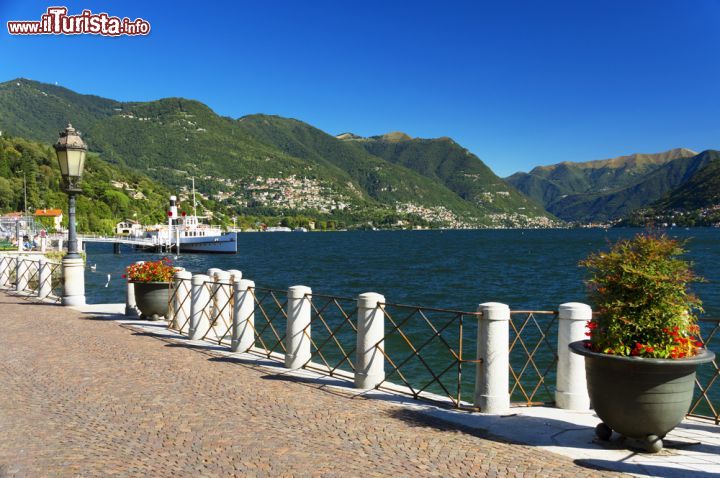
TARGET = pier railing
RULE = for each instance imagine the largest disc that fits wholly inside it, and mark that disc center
(430, 351)
(533, 356)
(31, 276)
(417, 351)
(270, 320)
(707, 383)
(485, 360)
(332, 330)
(423, 352)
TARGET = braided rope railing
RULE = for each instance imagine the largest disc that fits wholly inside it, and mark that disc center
(424, 348)
(270, 319)
(706, 402)
(217, 311)
(333, 335)
(39, 278)
(533, 356)
(178, 305)
(32, 274)
(54, 282)
(429, 353)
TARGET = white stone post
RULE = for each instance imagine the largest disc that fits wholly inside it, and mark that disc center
(492, 392)
(297, 335)
(235, 275)
(222, 308)
(571, 386)
(73, 281)
(243, 333)
(4, 270)
(181, 305)
(44, 279)
(21, 274)
(370, 361)
(200, 296)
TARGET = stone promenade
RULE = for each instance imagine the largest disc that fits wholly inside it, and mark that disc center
(83, 395)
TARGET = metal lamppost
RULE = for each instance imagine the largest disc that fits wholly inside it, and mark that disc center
(71, 150)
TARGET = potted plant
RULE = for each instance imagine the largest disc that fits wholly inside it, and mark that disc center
(643, 348)
(152, 281)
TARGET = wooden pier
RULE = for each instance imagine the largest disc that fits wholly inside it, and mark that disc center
(145, 243)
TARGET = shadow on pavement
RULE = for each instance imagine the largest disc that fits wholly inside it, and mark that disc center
(102, 316)
(643, 469)
(246, 361)
(422, 419)
(699, 426)
(309, 380)
(187, 344)
(542, 431)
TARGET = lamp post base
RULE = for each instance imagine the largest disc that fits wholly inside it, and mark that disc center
(73, 281)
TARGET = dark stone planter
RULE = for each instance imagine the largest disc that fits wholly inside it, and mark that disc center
(640, 398)
(152, 299)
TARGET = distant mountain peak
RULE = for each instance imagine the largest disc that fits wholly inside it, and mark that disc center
(606, 189)
(625, 161)
(394, 136)
(348, 135)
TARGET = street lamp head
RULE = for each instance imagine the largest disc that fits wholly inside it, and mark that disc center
(71, 150)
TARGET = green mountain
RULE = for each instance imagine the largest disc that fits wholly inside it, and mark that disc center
(446, 162)
(695, 202)
(376, 178)
(110, 193)
(701, 189)
(38, 111)
(263, 167)
(606, 189)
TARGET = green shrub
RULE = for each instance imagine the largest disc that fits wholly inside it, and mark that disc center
(640, 292)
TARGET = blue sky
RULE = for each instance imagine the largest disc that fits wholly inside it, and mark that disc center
(518, 83)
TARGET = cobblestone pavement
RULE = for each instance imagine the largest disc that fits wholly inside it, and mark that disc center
(86, 396)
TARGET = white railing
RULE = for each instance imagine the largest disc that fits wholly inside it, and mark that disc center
(31, 275)
(428, 353)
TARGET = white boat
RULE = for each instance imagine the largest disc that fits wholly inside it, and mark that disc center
(191, 232)
(198, 237)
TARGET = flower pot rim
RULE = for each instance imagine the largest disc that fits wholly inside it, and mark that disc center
(149, 282)
(704, 355)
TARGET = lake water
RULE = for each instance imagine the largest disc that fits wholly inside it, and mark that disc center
(533, 269)
(528, 270)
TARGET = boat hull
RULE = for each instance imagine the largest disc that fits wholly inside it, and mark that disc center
(223, 244)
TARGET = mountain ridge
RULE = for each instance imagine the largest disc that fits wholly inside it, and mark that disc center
(256, 163)
(600, 190)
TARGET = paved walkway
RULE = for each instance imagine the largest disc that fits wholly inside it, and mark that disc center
(83, 394)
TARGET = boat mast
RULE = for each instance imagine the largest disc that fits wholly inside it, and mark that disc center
(194, 205)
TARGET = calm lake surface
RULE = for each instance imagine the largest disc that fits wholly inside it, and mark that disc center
(533, 269)
(528, 270)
